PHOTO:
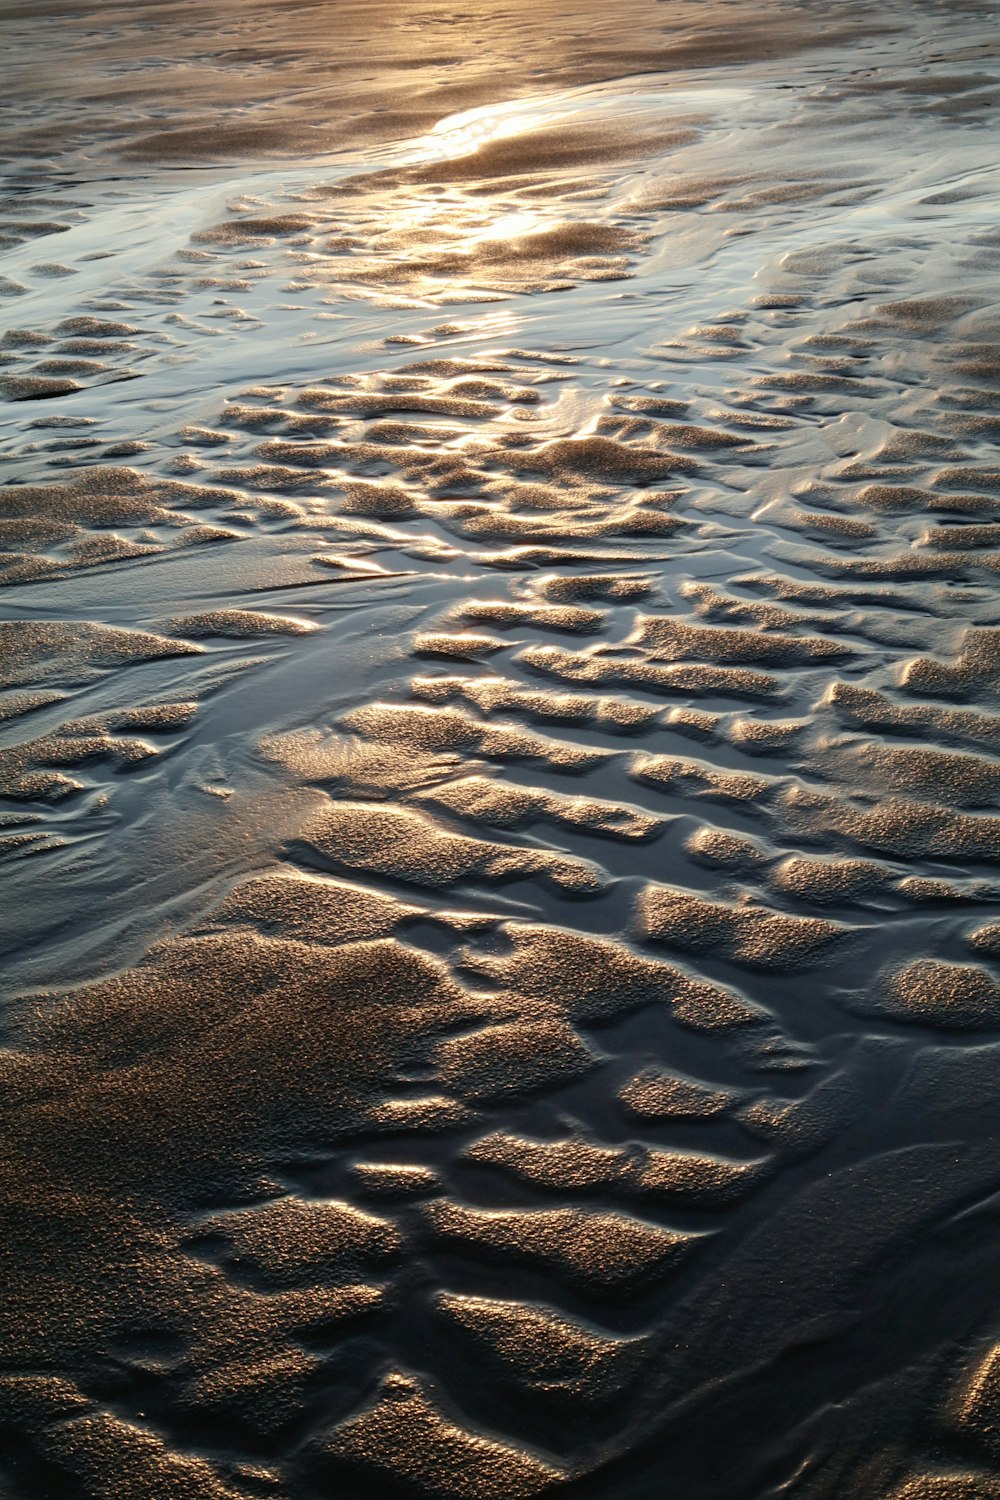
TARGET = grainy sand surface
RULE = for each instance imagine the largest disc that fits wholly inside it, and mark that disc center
(499, 793)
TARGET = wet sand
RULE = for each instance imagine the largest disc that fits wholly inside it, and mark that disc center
(498, 752)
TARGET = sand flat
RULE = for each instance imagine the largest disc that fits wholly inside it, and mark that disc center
(499, 672)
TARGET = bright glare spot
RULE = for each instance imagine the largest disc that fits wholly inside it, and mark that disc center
(462, 134)
(510, 226)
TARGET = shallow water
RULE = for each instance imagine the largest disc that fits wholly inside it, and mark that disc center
(498, 745)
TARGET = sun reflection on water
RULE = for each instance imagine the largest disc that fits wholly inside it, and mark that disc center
(463, 134)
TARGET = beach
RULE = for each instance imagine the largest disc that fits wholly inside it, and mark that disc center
(499, 660)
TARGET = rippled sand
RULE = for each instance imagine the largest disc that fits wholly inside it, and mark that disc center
(498, 747)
